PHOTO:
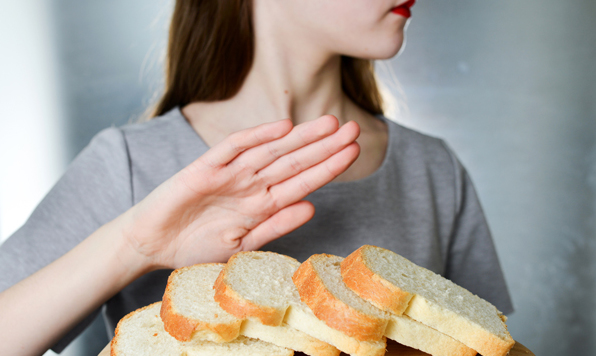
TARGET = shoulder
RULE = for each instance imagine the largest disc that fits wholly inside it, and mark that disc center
(167, 125)
(169, 134)
(170, 122)
(167, 139)
(417, 146)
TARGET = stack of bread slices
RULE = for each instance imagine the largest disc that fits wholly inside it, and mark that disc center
(264, 303)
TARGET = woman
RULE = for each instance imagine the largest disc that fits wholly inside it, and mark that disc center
(217, 172)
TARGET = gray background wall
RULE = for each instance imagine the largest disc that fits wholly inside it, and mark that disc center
(510, 85)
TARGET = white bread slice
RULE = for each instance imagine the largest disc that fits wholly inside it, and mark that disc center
(334, 298)
(320, 287)
(252, 286)
(188, 310)
(241, 292)
(258, 285)
(141, 333)
(433, 300)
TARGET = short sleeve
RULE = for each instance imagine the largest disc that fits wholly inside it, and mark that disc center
(472, 259)
(94, 190)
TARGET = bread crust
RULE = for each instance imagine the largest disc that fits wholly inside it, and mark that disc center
(334, 312)
(414, 334)
(359, 277)
(175, 324)
(114, 342)
(372, 287)
(182, 328)
(463, 330)
(232, 302)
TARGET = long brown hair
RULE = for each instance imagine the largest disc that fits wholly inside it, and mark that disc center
(210, 52)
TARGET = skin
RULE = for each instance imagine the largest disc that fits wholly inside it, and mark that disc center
(296, 71)
(248, 189)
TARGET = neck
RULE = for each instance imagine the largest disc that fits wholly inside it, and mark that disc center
(291, 77)
(276, 89)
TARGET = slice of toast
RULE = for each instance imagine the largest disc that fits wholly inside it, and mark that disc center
(403, 287)
(258, 285)
(141, 333)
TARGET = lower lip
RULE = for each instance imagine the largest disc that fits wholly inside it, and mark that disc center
(404, 10)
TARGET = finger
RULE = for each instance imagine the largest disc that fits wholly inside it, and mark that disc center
(240, 141)
(310, 155)
(300, 136)
(299, 186)
(279, 224)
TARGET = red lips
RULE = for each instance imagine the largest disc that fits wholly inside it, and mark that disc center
(404, 9)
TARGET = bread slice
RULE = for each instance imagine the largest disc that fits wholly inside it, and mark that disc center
(188, 310)
(258, 285)
(141, 333)
(403, 287)
(323, 285)
(320, 286)
(359, 326)
(252, 286)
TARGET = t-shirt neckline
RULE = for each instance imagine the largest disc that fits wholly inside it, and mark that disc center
(196, 137)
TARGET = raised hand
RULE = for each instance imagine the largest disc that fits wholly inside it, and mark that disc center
(241, 194)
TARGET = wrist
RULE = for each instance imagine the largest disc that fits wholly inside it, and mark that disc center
(124, 255)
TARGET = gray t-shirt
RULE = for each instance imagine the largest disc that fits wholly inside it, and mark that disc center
(420, 203)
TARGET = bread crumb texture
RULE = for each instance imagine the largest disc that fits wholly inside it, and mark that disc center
(135, 337)
(434, 288)
(270, 272)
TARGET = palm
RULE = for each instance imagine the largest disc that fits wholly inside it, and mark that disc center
(242, 193)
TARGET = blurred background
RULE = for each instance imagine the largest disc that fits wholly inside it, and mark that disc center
(510, 85)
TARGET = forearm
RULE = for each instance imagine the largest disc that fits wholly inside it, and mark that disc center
(39, 310)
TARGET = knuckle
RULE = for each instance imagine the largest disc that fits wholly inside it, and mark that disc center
(262, 179)
(234, 142)
(273, 151)
(331, 170)
(241, 167)
(304, 138)
(305, 186)
(295, 165)
(326, 147)
(256, 134)
(234, 146)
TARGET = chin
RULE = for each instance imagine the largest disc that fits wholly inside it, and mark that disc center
(394, 50)
(382, 51)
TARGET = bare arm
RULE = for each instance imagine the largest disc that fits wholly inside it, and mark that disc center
(241, 194)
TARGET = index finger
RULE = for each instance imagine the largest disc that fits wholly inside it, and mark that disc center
(238, 142)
